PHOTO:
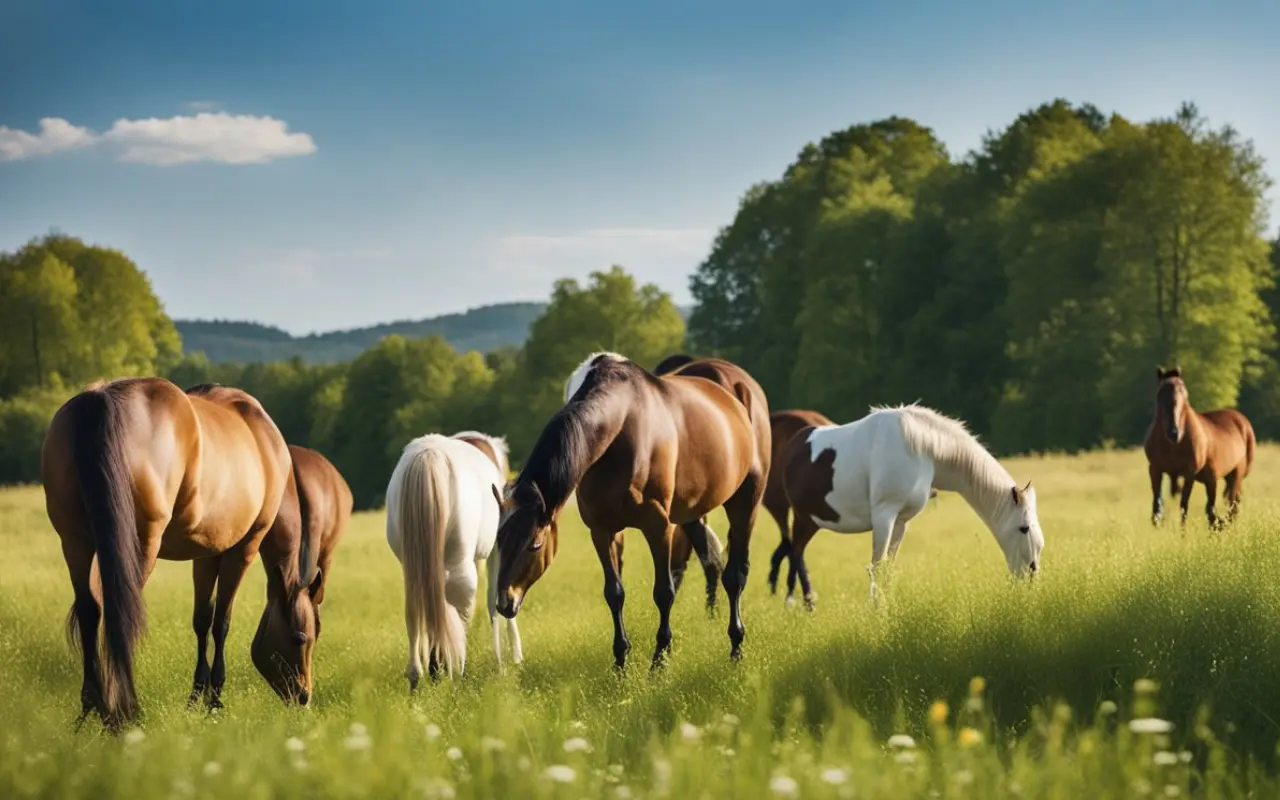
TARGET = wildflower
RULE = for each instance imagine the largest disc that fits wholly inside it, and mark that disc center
(577, 745)
(561, 773)
(524, 763)
(977, 685)
(905, 757)
(299, 763)
(440, 790)
(1150, 725)
(623, 792)
(453, 754)
(690, 733)
(730, 719)
(969, 737)
(212, 768)
(134, 736)
(294, 745)
(901, 740)
(784, 786)
(182, 786)
(1164, 758)
(1171, 791)
(963, 778)
(938, 713)
(1184, 756)
(357, 738)
(358, 729)
(577, 725)
(433, 731)
(834, 776)
(616, 770)
(1145, 686)
(1106, 708)
(490, 744)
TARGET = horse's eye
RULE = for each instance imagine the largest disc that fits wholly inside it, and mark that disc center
(299, 637)
(1025, 529)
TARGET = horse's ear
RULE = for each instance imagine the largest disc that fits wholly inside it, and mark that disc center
(1017, 495)
(313, 588)
(1176, 372)
(1160, 373)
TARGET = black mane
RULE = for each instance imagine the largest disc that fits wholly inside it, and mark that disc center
(672, 363)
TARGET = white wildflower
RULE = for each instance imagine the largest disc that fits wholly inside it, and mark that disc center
(453, 754)
(905, 757)
(294, 745)
(1165, 759)
(690, 733)
(134, 735)
(902, 740)
(212, 768)
(524, 763)
(623, 792)
(440, 790)
(1150, 725)
(492, 744)
(834, 776)
(1171, 791)
(729, 719)
(1184, 756)
(433, 731)
(357, 741)
(1145, 686)
(1107, 708)
(784, 786)
(577, 745)
(299, 763)
(963, 778)
(577, 725)
(561, 773)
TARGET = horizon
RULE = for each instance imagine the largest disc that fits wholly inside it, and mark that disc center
(365, 166)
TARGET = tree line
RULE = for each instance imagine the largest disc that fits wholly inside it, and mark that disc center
(1030, 288)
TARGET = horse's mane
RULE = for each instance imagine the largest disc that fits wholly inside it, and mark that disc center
(559, 457)
(580, 372)
(673, 362)
(949, 441)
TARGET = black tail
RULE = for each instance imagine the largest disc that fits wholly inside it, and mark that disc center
(106, 487)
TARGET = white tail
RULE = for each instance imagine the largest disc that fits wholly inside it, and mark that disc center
(426, 511)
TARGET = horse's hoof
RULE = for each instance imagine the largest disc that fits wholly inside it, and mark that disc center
(810, 602)
(735, 655)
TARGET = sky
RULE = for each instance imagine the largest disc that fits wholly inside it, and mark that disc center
(330, 164)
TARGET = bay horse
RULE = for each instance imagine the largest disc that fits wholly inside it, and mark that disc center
(1205, 447)
(644, 452)
(876, 474)
(296, 555)
(135, 470)
(443, 504)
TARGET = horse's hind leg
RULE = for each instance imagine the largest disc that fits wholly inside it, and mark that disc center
(779, 511)
(664, 592)
(608, 546)
(204, 576)
(1211, 502)
(231, 569)
(1232, 494)
(741, 509)
(801, 535)
(82, 627)
(710, 554)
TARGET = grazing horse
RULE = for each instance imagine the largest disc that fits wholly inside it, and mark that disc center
(443, 505)
(1184, 443)
(642, 452)
(296, 554)
(875, 474)
(135, 470)
(785, 424)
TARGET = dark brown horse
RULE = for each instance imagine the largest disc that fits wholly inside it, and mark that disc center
(135, 470)
(785, 424)
(1205, 447)
(296, 555)
(641, 452)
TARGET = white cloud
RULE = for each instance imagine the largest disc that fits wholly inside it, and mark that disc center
(55, 135)
(218, 137)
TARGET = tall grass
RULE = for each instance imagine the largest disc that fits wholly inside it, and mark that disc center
(1189, 617)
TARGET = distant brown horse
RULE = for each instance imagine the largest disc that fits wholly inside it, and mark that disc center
(785, 424)
(1205, 447)
(642, 452)
(296, 554)
(135, 470)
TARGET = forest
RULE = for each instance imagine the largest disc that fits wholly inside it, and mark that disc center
(1030, 287)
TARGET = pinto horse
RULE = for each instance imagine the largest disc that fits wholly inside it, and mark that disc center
(136, 470)
(644, 452)
(1184, 443)
(877, 473)
(296, 554)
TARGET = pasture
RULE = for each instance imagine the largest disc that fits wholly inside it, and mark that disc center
(811, 711)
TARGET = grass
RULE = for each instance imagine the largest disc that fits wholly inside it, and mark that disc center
(811, 711)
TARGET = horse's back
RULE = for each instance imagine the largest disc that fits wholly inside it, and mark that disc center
(745, 389)
(474, 509)
(1233, 441)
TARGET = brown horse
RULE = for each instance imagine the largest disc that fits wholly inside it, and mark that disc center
(296, 554)
(1184, 443)
(641, 452)
(785, 424)
(135, 470)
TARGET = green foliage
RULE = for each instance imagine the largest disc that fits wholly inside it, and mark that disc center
(1030, 288)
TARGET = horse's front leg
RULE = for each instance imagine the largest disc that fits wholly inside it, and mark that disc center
(1185, 500)
(204, 576)
(801, 534)
(882, 525)
(1157, 499)
(608, 546)
(233, 565)
(664, 590)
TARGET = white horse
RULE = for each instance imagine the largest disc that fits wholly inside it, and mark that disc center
(443, 505)
(875, 474)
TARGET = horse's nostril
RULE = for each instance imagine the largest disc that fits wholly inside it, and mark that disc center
(304, 697)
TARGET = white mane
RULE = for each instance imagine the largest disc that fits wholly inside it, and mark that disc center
(579, 374)
(499, 445)
(949, 442)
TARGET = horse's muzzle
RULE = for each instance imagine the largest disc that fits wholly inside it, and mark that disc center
(509, 606)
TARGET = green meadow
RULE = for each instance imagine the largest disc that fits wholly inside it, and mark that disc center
(1141, 662)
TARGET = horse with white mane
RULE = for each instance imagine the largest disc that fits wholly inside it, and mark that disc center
(443, 505)
(875, 474)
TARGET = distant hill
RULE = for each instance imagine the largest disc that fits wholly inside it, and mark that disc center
(485, 328)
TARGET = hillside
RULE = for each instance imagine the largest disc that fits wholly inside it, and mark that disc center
(485, 328)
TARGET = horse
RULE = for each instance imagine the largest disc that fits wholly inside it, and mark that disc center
(443, 504)
(784, 424)
(644, 452)
(296, 554)
(876, 474)
(1205, 447)
(135, 470)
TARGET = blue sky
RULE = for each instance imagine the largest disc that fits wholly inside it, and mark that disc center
(363, 162)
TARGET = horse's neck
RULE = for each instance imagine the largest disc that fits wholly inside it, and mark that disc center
(984, 484)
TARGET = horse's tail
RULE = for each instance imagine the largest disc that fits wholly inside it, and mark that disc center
(1250, 444)
(106, 487)
(426, 515)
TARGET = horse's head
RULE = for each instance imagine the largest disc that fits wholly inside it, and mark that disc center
(1020, 535)
(527, 542)
(1172, 403)
(286, 636)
